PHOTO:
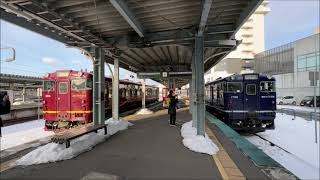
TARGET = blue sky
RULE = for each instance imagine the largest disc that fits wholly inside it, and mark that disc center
(290, 20)
(36, 55)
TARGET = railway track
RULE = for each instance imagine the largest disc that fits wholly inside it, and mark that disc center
(271, 143)
(283, 149)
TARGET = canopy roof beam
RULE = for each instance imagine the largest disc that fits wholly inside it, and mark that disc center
(206, 5)
(122, 7)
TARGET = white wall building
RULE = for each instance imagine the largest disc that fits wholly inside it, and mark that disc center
(252, 36)
(295, 66)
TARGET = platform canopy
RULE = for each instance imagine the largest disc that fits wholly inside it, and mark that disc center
(147, 35)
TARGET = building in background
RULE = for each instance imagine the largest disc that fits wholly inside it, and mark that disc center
(252, 36)
(295, 66)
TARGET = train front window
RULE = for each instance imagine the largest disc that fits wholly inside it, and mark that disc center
(251, 89)
(63, 87)
(48, 85)
(89, 83)
(234, 87)
(267, 86)
(78, 84)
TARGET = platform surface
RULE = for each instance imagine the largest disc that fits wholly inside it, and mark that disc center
(150, 149)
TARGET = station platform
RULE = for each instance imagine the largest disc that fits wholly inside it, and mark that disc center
(150, 149)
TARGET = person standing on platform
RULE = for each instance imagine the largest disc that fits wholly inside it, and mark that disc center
(5, 107)
(172, 108)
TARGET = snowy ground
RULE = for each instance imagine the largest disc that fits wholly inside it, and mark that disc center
(25, 103)
(296, 136)
(298, 108)
(53, 152)
(22, 133)
(144, 111)
(195, 142)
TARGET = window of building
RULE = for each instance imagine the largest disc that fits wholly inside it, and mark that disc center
(308, 62)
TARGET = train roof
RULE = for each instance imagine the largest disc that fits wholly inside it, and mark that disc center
(238, 77)
(73, 73)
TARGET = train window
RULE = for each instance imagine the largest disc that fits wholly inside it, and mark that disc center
(234, 87)
(251, 89)
(110, 90)
(78, 84)
(89, 84)
(63, 87)
(267, 86)
(48, 85)
(124, 92)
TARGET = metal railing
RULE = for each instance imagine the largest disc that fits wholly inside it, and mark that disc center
(316, 117)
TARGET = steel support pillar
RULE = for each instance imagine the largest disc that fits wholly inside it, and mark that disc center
(24, 94)
(98, 87)
(115, 90)
(199, 67)
(143, 93)
(193, 91)
(190, 97)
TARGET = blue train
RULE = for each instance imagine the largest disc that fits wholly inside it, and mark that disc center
(246, 102)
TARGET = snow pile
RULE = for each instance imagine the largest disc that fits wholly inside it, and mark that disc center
(22, 133)
(195, 142)
(116, 125)
(144, 111)
(53, 152)
(297, 137)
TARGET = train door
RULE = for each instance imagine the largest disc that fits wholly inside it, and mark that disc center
(251, 102)
(63, 100)
(49, 100)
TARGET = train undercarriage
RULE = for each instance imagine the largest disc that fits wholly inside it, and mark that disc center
(244, 121)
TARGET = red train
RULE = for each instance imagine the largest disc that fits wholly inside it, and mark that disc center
(67, 97)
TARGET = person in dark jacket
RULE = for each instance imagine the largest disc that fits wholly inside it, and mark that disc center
(5, 106)
(172, 108)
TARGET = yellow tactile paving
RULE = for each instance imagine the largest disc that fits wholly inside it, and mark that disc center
(227, 168)
(7, 165)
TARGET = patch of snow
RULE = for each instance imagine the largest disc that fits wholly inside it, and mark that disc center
(298, 108)
(24, 103)
(116, 125)
(144, 111)
(53, 152)
(22, 126)
(296, 136)
(22, 133)
(297, 166)
(195, 142)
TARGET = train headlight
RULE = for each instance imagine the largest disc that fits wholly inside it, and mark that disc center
(44, 102)
(308, 102)
(269, 77)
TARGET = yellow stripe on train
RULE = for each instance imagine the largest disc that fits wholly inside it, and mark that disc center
(70, 112)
